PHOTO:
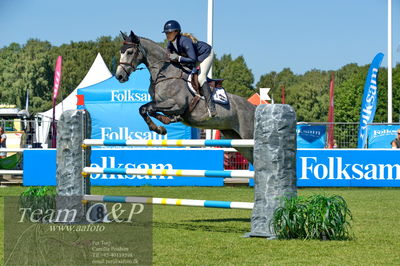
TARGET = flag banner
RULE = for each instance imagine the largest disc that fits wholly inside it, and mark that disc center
(331, 114)
(56, 86)
(57, 78)
(369, 100)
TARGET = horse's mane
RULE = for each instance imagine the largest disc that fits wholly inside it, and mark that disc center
(177, 67)
(157, 44)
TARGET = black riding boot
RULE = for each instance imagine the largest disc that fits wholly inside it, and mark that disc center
(206, 90)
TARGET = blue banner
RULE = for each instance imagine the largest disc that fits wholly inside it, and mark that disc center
(188, 159)
(381, 136)
(39, 167)
(348, 168)
(369, 100)
(314, 167)
(311, 136)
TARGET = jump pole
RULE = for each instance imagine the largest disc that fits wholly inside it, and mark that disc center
(230, 143)
(274, 163)
(172, 202)
(169, 172)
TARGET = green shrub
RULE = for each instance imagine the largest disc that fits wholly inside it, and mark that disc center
(314, 217)
(38, 198)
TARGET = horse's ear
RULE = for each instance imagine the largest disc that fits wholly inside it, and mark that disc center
(124, 36)
(134, 38)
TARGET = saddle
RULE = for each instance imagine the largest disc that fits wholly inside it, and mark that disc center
(195, 87)
(214, 83)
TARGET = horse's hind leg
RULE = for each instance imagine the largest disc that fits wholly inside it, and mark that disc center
(244, 130)
(246, 152)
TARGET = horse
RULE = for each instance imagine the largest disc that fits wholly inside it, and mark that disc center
(171, 96)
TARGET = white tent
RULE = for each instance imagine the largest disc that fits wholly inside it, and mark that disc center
(98, 72)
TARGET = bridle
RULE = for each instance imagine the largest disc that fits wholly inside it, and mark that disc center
(139, 49)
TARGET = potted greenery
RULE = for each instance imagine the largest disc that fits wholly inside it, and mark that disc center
(37, 200)
(314, 217)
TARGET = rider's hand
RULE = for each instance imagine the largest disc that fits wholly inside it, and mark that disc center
(174, 57)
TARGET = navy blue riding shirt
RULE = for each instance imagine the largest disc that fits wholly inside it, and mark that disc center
(190, 52)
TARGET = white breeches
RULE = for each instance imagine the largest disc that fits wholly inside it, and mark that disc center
(205, 67)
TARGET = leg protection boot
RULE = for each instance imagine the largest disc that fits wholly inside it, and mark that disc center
(206, 90)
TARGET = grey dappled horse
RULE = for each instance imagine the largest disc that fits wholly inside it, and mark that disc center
(171, 96)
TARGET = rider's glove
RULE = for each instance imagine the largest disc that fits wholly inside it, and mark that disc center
(174, 57)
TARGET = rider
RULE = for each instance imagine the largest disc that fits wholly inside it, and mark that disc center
(187, 50)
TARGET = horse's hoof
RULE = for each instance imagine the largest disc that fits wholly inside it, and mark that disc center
(161, 130)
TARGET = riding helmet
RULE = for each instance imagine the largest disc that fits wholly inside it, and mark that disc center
(171, 25)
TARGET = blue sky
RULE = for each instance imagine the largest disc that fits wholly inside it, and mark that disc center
(271, 35)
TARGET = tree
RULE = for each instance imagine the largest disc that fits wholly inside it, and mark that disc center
(268, 81)
(309, 96)
(275, 81)
(9, 72)
(37, 75)
(238, 77)
(26, 69)
(109, 48)
(348, 93)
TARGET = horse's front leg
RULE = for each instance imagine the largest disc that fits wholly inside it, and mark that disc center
(169, 107)
(166, 119)
(144, 110)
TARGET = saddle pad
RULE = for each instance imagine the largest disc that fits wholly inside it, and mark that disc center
(218, 94)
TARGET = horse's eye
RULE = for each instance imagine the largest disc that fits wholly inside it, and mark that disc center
(130, 52)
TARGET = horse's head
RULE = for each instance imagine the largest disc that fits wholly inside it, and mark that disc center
(132, 54)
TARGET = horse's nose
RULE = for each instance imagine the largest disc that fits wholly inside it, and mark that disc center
(119, 77)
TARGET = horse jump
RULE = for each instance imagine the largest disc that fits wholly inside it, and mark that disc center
(274, 154)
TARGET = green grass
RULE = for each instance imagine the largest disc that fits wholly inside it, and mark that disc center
(205, 236)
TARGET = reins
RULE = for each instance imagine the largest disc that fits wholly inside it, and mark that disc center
(168, 78)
